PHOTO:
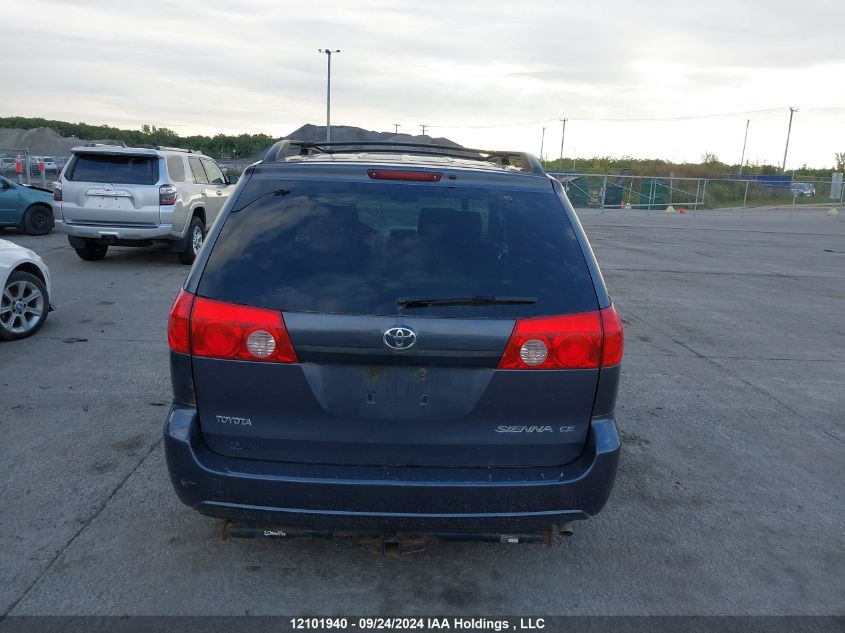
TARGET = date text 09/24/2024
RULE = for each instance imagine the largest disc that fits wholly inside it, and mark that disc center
(417, 624)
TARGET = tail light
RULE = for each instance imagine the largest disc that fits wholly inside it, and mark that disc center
(588, 340)
(167, 195)
(214, 329)
(613, 338)
(57, 193)
(179, 323)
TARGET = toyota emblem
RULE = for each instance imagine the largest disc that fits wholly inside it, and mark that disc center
(400, 338)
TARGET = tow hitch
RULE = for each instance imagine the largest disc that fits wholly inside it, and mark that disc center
(390, 544)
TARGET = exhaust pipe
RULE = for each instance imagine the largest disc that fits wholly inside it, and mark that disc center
(565, 529)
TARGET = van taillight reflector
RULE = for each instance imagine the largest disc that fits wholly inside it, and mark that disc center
(215, 329)
(57, 194)
(588, 340)
(393, 174)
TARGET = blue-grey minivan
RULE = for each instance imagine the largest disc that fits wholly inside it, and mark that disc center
(395, 339)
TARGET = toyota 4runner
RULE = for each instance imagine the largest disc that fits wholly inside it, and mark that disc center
(132, 196)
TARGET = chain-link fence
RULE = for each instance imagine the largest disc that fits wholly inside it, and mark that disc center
(20, 165)
(607, 191)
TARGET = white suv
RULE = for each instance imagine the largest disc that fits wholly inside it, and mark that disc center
(134, 196)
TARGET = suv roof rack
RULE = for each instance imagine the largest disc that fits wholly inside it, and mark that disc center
(91, 144)
(281, 150)
(164, 148)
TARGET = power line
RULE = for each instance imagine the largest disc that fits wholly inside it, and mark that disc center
(688, 117)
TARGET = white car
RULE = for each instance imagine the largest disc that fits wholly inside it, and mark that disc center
(25, 301)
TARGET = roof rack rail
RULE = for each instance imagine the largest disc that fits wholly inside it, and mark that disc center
(93, 144)
(520, 160)
(164, 148)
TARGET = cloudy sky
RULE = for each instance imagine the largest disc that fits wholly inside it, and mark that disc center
(633, 78)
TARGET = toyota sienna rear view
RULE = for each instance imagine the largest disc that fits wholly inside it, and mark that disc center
(394, 340)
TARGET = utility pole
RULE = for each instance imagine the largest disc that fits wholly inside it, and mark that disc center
(562, 136)
(742, 160)
(396, 128)
(422, 127)
(788, 132)
(542, 141)
(328, 53)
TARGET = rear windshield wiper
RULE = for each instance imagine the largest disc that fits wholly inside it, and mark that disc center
(424, 302)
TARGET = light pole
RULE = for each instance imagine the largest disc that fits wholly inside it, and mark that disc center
(742, 160)
(788, 132)
(562, 136)
(396, 128)
(422, 127)
(328, 53)
(542, 142)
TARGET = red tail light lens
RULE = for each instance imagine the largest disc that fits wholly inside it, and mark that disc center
(57, 194)
(214, 329)
(573, 341)
(224, 330)
(179, 323)
(393, 174)
(613, 337)
(167, 195)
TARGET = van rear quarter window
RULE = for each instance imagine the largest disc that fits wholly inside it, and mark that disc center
(114, 168)
(355, 248)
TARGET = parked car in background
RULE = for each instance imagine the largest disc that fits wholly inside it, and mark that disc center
(25, 298)
(132, 196)
(10, 168)
(395, 342)
(34, 164)
(27, 207)
(803, 189)
(50, 165)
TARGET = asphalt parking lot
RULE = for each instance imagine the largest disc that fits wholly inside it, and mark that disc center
(729, 498)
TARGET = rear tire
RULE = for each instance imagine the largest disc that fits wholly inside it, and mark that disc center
(196, 236)
(37, 220)
(92, 251)
(23, 306)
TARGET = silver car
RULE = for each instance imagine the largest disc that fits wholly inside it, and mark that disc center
(134, 196)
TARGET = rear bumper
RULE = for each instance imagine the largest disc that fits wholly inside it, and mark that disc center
(116, 232)
(365, 498)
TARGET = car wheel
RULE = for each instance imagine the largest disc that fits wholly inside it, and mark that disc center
(92, 251)
(196, 236)
(23, 306)
(38, 220)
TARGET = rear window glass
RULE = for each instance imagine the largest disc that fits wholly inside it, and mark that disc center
(176, 168)
(355, 248)
(125, 169)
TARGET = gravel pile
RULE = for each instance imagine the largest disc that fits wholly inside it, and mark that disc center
(41, 141)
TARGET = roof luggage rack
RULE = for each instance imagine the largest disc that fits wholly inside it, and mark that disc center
(93, 144)
(520, 160)
(164, 148)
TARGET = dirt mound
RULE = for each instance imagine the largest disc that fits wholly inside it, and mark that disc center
(41, 141)
(350, 134)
